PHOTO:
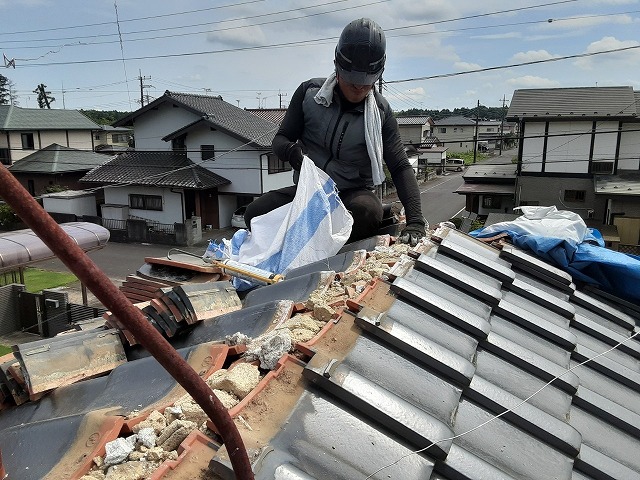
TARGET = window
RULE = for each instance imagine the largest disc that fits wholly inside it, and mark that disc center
(276, 165)
(489, 129)
(602, 167)
(96, 136)
(179, 144)
(31, 186)
(4, 156)
(208, 152)
(27, 141)
(145, 202)
(574, 195)
(120, 138)
(455, 129)
(442, 130)
(491, 202)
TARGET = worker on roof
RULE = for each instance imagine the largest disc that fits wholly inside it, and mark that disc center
(348, 129)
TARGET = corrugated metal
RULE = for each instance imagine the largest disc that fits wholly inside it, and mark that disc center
(624, 183)
(9, 312)
(589, 102)
(78, 313)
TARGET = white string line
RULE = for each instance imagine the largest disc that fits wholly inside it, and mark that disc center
(506, 411)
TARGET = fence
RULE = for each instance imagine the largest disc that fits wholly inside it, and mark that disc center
(46, 314)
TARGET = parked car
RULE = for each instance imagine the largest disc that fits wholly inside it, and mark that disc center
(455, 164)
(237, 219)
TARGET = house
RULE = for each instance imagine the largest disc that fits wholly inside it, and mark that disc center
(569, 139)
(159, 187)
(230, 142)
(55, 166)
(489, 188)
(25, 130)
(111, 139)
(457, 133)
(415, 129)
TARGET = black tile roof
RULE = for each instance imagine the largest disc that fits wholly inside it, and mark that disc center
(59, 159)
(467, 362)
(161, 169)
(222, 115)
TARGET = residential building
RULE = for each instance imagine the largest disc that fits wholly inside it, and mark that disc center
(579, 147)
(25, 130)
(457, 133)
(415, 129)
(228, 141)
(110, 138)
(55, 167)
(489, 188)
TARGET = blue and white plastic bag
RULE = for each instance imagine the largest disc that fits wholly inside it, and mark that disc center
(313, 227)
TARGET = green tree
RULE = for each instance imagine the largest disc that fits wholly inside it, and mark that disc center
(7, 92)
(104, 117)
(44, 96)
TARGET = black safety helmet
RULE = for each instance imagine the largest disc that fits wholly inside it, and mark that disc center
(360, 53)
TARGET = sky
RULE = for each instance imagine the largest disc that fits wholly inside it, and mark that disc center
(254, 53)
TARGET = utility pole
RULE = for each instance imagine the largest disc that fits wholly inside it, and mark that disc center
(63, 105)
(142, 87)
(475, 134)
(281, 95)
(504, 99)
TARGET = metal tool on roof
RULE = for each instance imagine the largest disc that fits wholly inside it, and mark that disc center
(235, 269)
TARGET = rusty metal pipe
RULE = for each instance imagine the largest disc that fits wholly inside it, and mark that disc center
(111, 297)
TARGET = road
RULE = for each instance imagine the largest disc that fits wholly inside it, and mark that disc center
(439, 203)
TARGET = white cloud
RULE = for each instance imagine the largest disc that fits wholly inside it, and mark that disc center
(466, 66)
(624, 58)
(532, 56)
(531, 81)
(241, 37)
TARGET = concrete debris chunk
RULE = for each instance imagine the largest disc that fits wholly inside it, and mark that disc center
(228, 400)
(323, 312)
(173, 413)
(237, 339)
(155, 420)
(94, 475)
(190, 410)
(147, 437)
(241, 379)
(270, 348)
(172, 436)
(117, 451)
(131, 471)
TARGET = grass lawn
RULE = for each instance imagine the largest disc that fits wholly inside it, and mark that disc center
(4, 350)
(36, 279)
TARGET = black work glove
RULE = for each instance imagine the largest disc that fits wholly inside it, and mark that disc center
(293, 155)
(411, 234)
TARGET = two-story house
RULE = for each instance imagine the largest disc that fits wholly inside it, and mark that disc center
(231, 143)
(579, 150)
(25, 130)
(415, 129)
(457, 133)
(109, 139)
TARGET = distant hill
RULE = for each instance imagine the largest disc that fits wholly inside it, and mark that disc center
(485, 113)
(104, 117)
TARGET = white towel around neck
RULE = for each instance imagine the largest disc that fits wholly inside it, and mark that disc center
(372, 125)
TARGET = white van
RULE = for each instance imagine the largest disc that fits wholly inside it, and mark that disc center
(455, 164)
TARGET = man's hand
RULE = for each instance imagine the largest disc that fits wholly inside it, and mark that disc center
(294, 155)
(411, 234)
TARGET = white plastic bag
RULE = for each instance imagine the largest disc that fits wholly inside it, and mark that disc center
(312, 227)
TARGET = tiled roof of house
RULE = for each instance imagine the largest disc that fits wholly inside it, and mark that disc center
(161, 169)
(275, 115)
(468, 362)
(454, 120)
(59, 159)
(224, 116)
(413, 120)
(17, 118)
(577, 102)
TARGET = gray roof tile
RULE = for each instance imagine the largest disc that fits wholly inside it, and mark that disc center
(58, 159)
(17, 118)
(162, 169)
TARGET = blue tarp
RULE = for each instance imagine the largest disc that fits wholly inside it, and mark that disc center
(587, 261)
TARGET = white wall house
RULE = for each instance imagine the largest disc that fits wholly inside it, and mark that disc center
(456, 133)
(225, 140)
(414, 129)
(571, 138)
(24, 131)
